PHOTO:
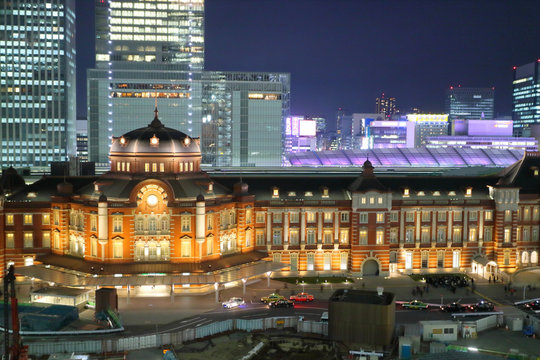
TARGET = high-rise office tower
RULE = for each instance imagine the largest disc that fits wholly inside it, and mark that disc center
(37, 77)
(155, 49)
(385, 105)
(150, 32)
(526, 98)
(470, 103)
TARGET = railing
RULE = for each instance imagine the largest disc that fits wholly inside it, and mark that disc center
(176, 338)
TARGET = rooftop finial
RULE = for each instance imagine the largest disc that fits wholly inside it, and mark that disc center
(156, 123)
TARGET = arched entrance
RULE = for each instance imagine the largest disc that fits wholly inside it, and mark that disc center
(370, 268)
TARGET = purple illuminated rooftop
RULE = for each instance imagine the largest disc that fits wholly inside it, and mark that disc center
(409, 157)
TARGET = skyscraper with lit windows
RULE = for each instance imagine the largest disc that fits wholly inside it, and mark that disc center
(147, 49)
(385, 105)
(153, 31)
(37, 81)
(470, 103)
(526, 98)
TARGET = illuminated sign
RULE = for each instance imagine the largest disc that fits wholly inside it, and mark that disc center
(427, 117)
(308, 128)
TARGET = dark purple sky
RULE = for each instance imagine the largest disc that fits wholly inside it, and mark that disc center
(343, 53)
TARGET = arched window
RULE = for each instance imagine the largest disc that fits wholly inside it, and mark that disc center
(534, 258)
(524, 258)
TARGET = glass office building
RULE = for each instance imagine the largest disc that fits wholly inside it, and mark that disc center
(238, 115)
(151, 31)
(37, 82)
(147, 49)
(470, 103)
(526, 98)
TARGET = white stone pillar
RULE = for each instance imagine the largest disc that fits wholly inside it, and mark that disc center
(450, 214)
(285, 228)
(418, 226)
(302, 227)
(319, 226)
(401, 225)
(200, 222)
(433, 226)
(103, 221)
(465, 227)
(480, 225)
(336, 226)
(269, 228)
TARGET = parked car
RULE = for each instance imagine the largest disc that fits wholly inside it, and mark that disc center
(415, 305)
(453, 307)
(233, 302)
(272, 297)
(302, 297)
(482, 306)
(282, 303)
(533, 305)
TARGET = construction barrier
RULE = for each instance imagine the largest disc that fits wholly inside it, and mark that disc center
(120, 344)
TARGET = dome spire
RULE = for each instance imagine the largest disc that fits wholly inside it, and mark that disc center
(156, 123)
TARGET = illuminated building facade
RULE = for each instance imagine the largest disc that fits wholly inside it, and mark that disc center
(300, 134)
(385, 105)
(158, 31)
(470, 103)
(483, 142)
(427, 125)
(483, 134)
(526, 98)
(37, 78)
(155, 49)
(387, 134)
(238, 116)
(155, 207)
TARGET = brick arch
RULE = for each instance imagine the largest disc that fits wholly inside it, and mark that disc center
(373, 266)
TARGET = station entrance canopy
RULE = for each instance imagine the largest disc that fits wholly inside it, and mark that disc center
(70, 278)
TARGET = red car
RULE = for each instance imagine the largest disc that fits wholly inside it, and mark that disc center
(302, 297)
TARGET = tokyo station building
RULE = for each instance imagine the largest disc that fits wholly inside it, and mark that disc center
(156, 213)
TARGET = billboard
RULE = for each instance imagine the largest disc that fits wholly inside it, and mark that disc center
(308, 128)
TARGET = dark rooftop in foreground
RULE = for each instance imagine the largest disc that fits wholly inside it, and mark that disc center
(362, 297)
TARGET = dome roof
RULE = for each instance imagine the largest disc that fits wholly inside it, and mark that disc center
(155, 138)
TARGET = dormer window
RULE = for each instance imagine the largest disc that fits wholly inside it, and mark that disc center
(421, 193)
(308, 193)
(406, 192)
(452, 193)
(275, 192)
(210, 187)
(154, 141)
(187, 141)
(468, 192)
(291, 193)
(325, 192)
(436, 193)
(535, 171)
(123, 141)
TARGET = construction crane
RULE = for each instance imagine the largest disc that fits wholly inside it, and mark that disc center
(17, 351)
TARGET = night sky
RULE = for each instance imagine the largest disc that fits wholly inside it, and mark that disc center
(343, 53)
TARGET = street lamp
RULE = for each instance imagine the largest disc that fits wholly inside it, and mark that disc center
(268, 273)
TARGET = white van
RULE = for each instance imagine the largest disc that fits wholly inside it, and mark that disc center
(324, 317)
